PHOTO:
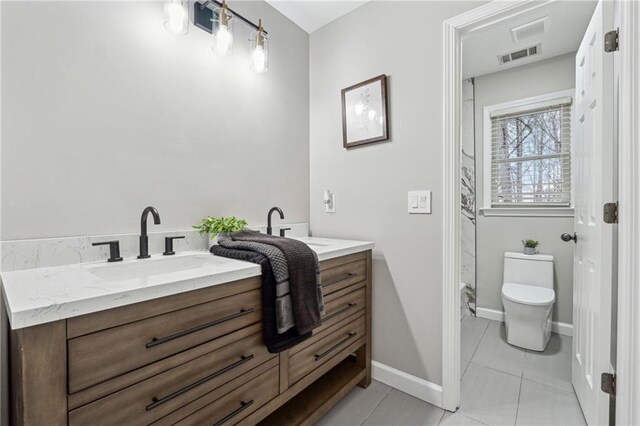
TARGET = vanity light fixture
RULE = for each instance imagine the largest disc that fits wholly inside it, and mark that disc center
(259, 50)
(219, 22)
(222, 30)
(176, 16)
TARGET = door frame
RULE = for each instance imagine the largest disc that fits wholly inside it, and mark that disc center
(454, 29)
(628, 330)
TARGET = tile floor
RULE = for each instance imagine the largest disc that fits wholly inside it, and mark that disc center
(501, 385)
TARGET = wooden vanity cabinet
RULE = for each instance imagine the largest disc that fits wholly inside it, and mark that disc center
(194, 358)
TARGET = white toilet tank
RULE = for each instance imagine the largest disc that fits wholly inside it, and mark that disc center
(530, 269)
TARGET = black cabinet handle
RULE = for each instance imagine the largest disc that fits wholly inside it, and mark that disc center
(168, 245)
(336, 346)
(340, 278)
(243, 406)
(156, 341)
(114, 250)
(159, 401)
(339, 311)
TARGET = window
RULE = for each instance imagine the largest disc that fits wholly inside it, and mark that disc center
(528, 153)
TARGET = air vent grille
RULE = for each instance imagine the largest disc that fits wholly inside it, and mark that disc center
(520, 54)
(530, 29)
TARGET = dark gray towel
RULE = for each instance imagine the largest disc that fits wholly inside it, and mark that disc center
(285, 318)
(275, 341)
(304, 275)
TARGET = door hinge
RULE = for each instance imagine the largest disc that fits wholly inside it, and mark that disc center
(608, 383)
(611, 41)
(610, 213)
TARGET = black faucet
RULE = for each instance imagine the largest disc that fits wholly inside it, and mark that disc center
(144, 239)
(273, 209)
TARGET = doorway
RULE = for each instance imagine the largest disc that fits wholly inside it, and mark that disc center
(456, 30)
(519, 83)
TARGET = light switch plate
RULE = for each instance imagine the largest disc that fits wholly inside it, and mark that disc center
(419, 202)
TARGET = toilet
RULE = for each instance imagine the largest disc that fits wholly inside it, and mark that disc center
(528, 297)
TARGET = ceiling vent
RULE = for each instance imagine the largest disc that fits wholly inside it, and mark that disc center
(520, 54)
(530, 29)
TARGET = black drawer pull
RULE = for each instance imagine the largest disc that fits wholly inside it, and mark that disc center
(340, 278)
(336, 346)
(243, 406)
(159, 401)
(156, 341)
(339, 311)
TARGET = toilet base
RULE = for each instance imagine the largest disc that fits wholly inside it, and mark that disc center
(528, 327)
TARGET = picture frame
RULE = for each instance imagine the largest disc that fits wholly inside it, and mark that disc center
(365, 112)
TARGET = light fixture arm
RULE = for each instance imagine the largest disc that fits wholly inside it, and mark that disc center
(260, 34)
(202, 16)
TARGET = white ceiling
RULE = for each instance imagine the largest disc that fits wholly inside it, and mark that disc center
(566, 24)
(313, 14)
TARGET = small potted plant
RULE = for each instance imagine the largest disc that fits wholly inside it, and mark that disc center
(213, 226)
(530, 246)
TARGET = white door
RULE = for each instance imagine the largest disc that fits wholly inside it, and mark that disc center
(593, 186)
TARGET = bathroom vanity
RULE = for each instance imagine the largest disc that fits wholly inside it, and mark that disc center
(179, 341)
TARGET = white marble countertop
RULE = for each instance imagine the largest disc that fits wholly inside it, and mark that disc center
(328, 248)
(38, 296)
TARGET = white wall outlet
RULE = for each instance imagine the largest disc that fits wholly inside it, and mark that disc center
(419, 202)
(329, 200)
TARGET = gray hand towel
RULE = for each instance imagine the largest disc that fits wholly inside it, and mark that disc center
(304, 277)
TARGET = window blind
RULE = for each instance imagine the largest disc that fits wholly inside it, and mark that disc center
(531, 156)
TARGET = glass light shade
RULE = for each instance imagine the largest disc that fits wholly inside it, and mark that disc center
(222, 30)
(176, 16)
(259, 51)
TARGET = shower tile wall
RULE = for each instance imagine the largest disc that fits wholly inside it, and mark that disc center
(468, 201)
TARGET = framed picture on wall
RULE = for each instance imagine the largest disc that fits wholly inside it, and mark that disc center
(364, 112)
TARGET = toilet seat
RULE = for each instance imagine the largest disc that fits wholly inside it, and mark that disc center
(528, 294)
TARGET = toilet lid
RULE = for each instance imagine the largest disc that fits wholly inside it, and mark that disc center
(528, 294)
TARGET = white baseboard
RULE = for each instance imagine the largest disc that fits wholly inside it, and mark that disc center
(490, 314)
(556, 327)
(562, 328)
(407, 383)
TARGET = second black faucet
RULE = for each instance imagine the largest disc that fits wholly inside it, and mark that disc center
(144, 239)
(273, 209)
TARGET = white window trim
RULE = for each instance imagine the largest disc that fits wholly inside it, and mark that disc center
(527, 212)
(521, 104)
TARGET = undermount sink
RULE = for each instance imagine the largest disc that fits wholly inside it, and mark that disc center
(158, 266)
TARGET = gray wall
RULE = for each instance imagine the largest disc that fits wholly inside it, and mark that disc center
(371, 182)
(105, 112)
(495, 235)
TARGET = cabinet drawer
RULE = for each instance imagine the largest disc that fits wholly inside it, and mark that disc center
(99, 356)
(339, 277)
(237, 404)
(342, 304)
(324, 345)
(151, 399)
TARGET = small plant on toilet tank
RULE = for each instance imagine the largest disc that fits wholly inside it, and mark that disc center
(530, 246)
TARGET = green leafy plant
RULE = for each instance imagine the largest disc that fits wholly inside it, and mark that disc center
(223, 225)
(530, 243)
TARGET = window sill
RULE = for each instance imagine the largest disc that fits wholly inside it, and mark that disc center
(528, 212)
